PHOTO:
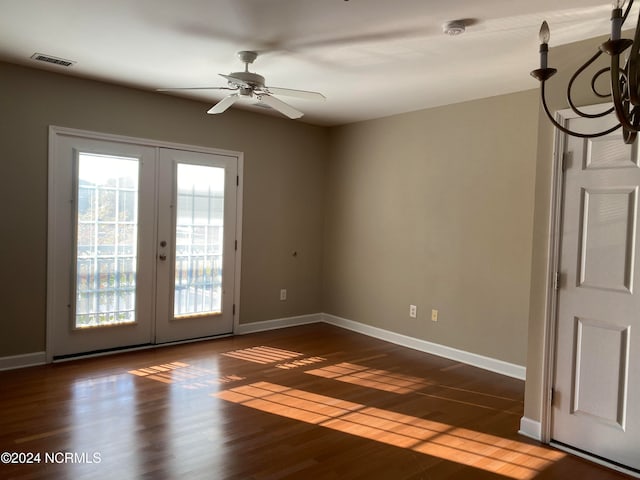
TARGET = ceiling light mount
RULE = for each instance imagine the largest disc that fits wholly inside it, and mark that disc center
(454, 27)
(624, 79)
(247, 56)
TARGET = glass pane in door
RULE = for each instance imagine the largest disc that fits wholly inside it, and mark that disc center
(106, 240)
(199, 240)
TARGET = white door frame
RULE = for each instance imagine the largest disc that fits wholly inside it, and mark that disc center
(553, 266)
(54, 133)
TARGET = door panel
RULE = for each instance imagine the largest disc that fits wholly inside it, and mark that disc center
(601, 381)
(597, 369)
(607, 227)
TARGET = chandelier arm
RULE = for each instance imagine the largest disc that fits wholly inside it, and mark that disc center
(627, 11)
(593, 80)
(566, 130)
(630, 136)
(616, 94)
(632, 67)
(593, 84)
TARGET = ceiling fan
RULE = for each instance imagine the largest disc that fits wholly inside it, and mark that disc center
(251, 85)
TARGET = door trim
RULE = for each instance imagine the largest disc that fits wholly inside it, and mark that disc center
(553, 265)
(57, 131)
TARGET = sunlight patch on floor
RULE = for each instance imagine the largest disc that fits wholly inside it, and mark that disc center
(370, 377)
(502, 456)
(263, 354)
(387, 381)
(302, 362)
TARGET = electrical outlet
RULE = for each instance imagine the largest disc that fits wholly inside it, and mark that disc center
(434, 315)
(283, 294)
(413, 311)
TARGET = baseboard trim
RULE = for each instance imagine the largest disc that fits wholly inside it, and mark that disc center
(480, 361)
(527, 427)
(473, 359)
(245, 328)
(530, 428)
(23, 361)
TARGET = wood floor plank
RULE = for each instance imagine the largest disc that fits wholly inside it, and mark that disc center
(310, 402)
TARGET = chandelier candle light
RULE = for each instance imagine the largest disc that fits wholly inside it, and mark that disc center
(625, 81)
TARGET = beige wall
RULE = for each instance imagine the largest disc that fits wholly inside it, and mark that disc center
(435, 208)
(566, 59)
(283, 190)
(432, 208)
(445, 208)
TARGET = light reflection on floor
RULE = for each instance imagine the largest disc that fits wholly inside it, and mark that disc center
(475, 449)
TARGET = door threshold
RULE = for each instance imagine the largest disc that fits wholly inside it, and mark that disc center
(132, 348)
(192, 340)
(596, 459)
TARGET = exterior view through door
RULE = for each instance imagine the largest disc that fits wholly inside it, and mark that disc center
(597, 352)
(142, 243)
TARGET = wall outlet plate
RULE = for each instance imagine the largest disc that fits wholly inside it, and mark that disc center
(283, 294)
(434, 315)
(413, 311)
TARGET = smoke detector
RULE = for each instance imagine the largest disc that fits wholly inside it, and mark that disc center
(454, 27)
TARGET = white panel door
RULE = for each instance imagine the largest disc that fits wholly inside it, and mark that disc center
(102, 221)
(196, 245)
(597, 370)
(141, 245)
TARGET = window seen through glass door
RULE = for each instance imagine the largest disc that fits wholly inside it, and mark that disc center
(199, 240)
(106, 240)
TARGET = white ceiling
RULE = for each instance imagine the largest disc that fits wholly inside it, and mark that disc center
(370, 58)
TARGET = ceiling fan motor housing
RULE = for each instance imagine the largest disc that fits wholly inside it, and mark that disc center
(253, 79)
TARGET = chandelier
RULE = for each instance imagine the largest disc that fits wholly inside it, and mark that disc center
(625, 80)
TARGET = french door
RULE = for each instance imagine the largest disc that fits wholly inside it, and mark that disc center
(141, 244)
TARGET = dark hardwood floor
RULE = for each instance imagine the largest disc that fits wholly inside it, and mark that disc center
(311, 402)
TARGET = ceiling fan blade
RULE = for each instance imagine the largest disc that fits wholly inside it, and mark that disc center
(223, 104)
(169, 89)
(235, 81)
(280, 106)
(290, 92)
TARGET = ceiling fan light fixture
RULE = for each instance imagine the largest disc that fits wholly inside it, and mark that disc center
(454, 27)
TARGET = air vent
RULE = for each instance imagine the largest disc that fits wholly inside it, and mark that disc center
(41, 57)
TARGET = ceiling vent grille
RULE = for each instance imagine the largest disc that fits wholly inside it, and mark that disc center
(41, 57)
